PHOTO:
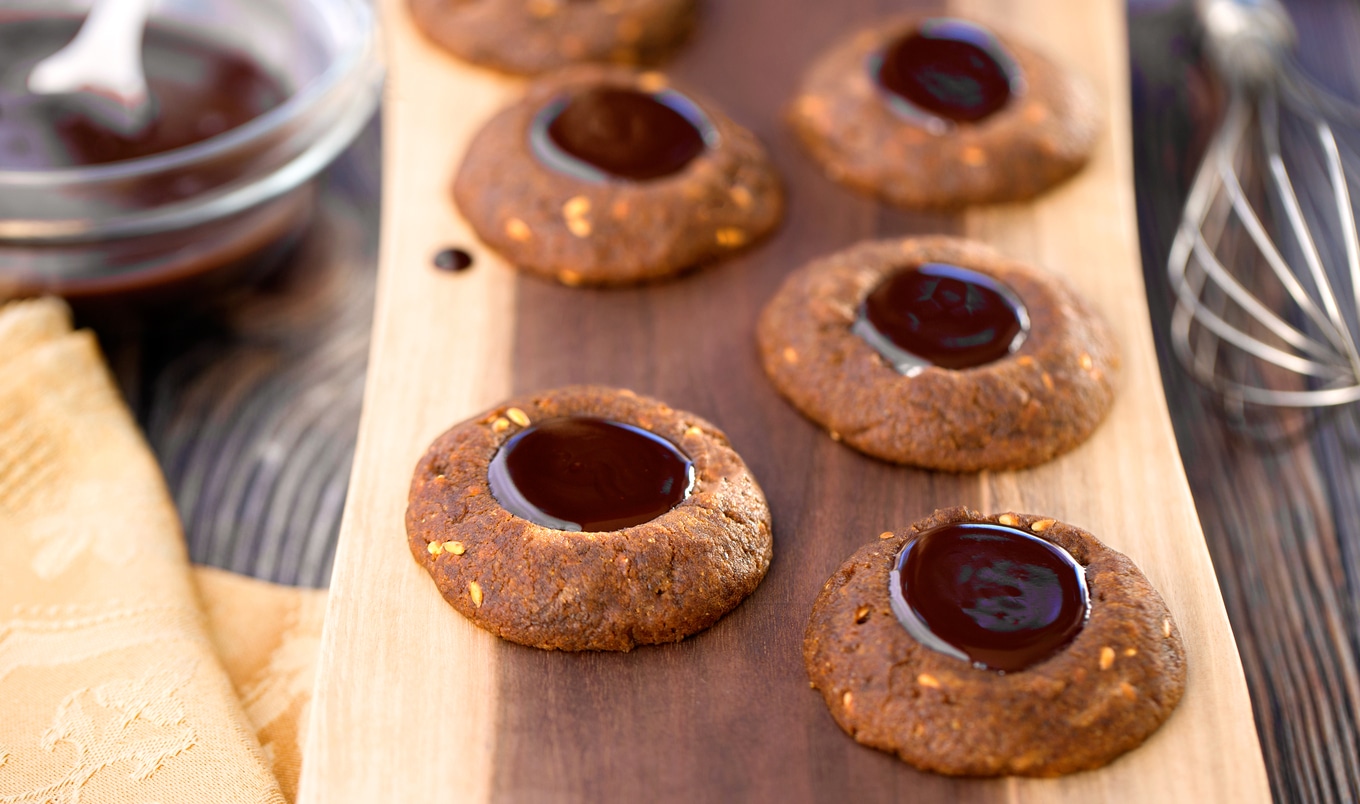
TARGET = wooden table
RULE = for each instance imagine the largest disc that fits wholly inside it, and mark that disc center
(254, 411)
(252, 402)
(1283, 522)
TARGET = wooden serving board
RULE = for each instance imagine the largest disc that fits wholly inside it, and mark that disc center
(414, 704)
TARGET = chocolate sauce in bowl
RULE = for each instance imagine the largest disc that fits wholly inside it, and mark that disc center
(200, 89)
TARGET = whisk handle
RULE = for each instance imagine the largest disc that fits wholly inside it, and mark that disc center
(1248, 40)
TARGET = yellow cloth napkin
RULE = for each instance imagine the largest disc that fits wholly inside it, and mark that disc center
(113, 688)
(267, 637)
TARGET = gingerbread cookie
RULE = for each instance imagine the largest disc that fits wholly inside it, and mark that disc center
(989, 646)
(940, 353)
(939, 112)
(534, 36)
(588, 518)
(604, 176)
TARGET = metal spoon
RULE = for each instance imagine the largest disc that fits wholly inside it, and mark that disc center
(101, 68)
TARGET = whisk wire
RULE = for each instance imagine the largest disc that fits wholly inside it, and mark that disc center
(1220, 307)
(1350, 237)
(1220, 176)
(1303, 235)
(1210, 264)
(1256, 229)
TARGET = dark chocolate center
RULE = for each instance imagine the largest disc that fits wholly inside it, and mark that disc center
(996, 596)
(941, 315)
(627, 134)
(949, 68)
(588, 474)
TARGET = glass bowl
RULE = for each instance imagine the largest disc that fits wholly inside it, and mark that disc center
(203, 214)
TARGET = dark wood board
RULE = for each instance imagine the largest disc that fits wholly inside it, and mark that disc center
(1273, 532)
(416, 704)
(645, 714)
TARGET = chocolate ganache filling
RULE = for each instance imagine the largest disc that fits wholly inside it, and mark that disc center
(587, 474)
(611, 132)
(995, 596)
(943, 315)
(948, 69)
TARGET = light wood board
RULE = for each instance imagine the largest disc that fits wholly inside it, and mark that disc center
(413, 703)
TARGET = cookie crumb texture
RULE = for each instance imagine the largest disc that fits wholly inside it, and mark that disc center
(651, 583)
(528, 37)
(1024, 409)
(1102, 695)
(1039, 139)
(613, 232)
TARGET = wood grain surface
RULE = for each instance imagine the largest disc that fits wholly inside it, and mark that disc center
(1282, 519)
(414, 703)
(250, 399)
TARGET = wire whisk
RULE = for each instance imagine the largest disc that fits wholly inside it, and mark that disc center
(1265, 265)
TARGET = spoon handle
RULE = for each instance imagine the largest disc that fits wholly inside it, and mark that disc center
(105, 57)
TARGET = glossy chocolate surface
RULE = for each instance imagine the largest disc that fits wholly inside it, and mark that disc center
(627, 134)
(588, 474)
(199, 89)
(453, 259)
(995, 596)
(943, 315)
(949, 68)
